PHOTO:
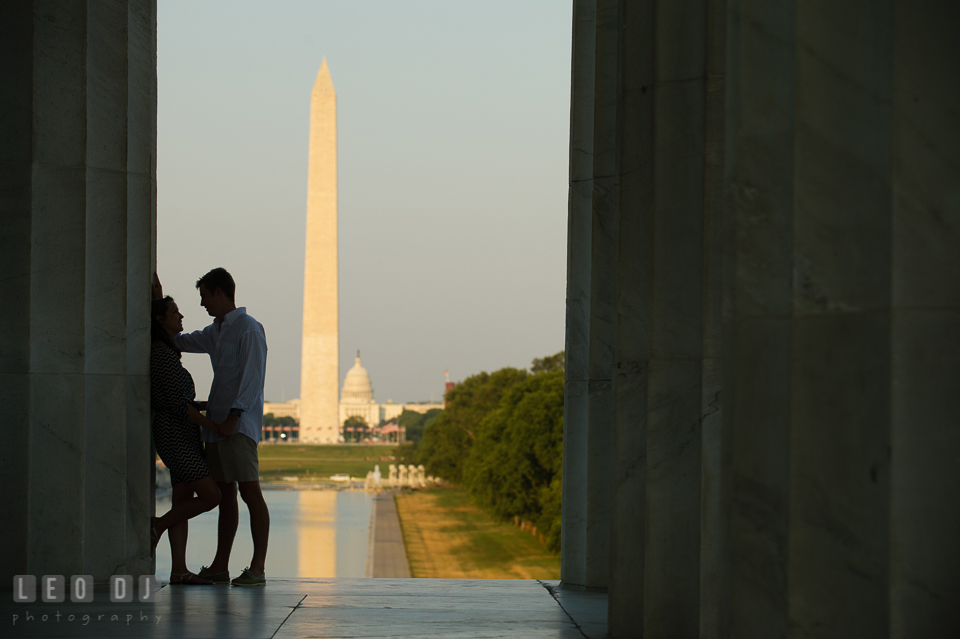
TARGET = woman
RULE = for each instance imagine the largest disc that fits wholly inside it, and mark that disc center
(177, 437)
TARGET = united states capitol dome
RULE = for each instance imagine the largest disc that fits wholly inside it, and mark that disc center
(357, 388)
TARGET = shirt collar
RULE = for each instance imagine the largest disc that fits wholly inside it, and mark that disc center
(233, 315)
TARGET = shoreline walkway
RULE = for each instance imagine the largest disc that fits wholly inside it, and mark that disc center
(289, 608)
(389, 553)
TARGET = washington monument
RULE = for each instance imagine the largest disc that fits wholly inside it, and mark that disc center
(320, 364)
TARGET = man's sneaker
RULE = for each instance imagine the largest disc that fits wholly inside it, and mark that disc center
(249, 579)
(215, 577)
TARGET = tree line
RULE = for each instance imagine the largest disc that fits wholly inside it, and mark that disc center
(270, 420)
(501, 437)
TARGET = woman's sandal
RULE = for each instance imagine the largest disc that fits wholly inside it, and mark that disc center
(154, 537)
(188, 579)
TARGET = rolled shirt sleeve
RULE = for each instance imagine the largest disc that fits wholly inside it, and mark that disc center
(253, 360)
(197, 341)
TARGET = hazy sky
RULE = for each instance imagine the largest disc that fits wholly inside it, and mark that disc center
(453, 129)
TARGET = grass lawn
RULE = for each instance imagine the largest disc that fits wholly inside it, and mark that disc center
(312, 461)
(446, 536)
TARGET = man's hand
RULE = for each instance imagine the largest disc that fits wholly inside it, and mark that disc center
(156, 287)
(229, 426)
(203, 406)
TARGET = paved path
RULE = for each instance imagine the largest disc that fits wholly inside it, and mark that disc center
(295, 608)
(389, 554)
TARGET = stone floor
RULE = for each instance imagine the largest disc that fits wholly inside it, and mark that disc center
(288, 608)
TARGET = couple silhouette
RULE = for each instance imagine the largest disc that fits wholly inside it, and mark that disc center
(210, 447)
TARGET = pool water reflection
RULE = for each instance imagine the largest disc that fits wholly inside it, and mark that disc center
(313, 533)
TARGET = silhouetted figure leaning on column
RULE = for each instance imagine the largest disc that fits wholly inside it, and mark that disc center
(237, 347)
(177, 437)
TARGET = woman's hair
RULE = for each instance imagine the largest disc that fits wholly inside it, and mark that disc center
(157, 332)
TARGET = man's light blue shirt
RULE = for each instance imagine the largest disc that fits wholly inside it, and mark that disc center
(238, 352)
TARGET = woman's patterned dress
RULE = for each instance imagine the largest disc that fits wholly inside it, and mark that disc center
(177, 438)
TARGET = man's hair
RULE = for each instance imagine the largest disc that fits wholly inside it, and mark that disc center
(219, 278)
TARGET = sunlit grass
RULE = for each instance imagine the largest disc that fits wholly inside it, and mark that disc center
(446, 536)
(320, 462)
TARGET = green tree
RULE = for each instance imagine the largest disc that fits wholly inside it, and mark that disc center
(501, 436)
(448, 438)
(270, 420)
(514, 468)
(415, 422)
(547, 364)
(359, 428)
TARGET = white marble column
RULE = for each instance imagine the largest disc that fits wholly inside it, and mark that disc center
(78, 184)
(591, 309)
(759, 310)
(780, 185)
(573, 542)
(669, 551)
(845, 320)
(925, 323)
(16, 142)
(631, 370)
(840, 365)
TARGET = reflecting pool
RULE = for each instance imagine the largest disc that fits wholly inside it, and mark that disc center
(313, 533)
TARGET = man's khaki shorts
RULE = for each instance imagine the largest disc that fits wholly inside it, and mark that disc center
(233, 459)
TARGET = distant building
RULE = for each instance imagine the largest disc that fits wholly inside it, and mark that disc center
(285, 409)
(276, 432)
(356, 399)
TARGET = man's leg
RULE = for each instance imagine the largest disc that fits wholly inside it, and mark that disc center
(259, 523)
(226, 526)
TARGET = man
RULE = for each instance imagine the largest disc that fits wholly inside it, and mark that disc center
(237, 347)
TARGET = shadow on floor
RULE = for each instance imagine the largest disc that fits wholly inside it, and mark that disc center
(466, 608)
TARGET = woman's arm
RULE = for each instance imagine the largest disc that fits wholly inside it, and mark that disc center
(197, 418)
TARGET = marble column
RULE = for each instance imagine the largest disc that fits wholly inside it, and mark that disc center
(840, 362)
(669, 353)
(591, 314)
(78, 193)
(573, 542)
(925, 322)
(844, 316)
(774, 190)
(759, 311)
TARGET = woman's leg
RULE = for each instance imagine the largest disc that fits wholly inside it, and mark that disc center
(207, 497)
(178, 532)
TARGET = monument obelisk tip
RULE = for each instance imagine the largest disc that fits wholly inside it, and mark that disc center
(324, 82)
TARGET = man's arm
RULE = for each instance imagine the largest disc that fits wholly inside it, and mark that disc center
(253, 360)
(229, 426)
(195, 342)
